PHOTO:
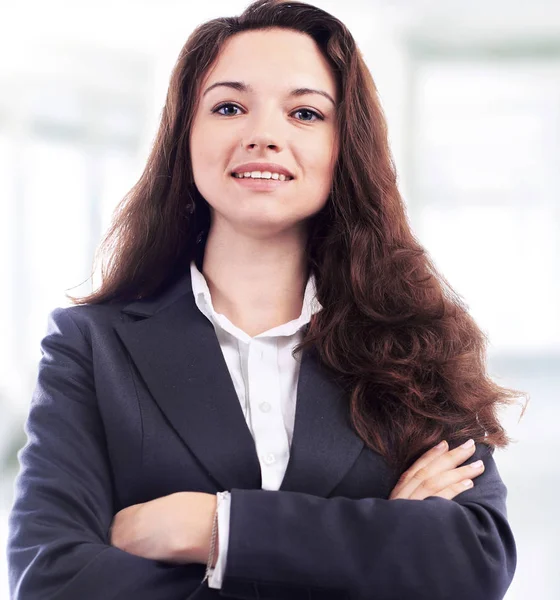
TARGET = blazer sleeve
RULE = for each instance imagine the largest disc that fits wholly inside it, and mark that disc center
(298, 545)
(58, 536)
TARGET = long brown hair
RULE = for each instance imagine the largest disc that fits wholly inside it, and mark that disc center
(392, 330)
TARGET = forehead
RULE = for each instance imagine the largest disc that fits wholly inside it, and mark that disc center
(276, 57)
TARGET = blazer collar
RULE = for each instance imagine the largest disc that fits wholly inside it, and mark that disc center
(177, 354)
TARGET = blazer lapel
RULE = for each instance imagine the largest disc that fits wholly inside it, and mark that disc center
(324, 444)
(176, 352)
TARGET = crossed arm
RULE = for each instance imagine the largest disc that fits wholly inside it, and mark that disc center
(279, 542)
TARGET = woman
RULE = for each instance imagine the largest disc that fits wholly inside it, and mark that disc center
(180, 444)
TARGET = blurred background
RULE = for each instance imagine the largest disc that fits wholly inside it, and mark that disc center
(471, 92)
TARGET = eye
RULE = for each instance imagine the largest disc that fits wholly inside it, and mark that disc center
(226, 105)
(308, 111)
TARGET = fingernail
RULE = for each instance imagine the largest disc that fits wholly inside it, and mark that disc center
(441, 445)
(468, 483)
(468, 444)
(477, 464)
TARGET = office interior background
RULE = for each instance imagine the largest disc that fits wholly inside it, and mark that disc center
(471, 91)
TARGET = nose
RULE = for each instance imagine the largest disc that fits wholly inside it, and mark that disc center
(261, 143)
(261, 140)
(263, 134)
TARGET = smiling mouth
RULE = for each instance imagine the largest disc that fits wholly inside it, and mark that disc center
(273, 177)
(260, 184)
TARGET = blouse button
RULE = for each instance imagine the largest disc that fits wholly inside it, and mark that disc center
(265, 406)
(269, 458)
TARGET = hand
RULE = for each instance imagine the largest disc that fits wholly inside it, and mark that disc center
(435, 474)
(175, 528)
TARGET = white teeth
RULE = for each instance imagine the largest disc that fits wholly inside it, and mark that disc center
(262, 175)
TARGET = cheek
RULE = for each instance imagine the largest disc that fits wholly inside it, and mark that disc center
(320, 169)
(202, 151)
(319, 156)
(205, 152)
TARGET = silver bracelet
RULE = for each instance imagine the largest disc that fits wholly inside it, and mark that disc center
(212, 544)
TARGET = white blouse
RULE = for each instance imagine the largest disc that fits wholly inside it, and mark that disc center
(265, 376)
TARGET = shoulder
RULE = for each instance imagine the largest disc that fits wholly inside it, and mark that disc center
(84, 318)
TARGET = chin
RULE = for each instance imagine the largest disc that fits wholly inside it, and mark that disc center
(267, 228)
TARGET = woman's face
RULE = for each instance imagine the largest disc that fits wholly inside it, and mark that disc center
(266, 112)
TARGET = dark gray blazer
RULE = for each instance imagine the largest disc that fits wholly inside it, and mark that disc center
(134, 402)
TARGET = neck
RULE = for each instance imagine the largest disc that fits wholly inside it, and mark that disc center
(257, 284)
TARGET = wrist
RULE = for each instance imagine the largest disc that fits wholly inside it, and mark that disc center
(194, 545)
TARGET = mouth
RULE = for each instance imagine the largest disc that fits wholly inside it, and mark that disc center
(260, 184)
(264, 176)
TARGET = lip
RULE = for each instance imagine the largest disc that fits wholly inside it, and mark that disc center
(262, 166)
(260, 185)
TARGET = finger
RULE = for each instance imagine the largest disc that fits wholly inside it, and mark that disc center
(454, 490)
(442, 462)
(423, 461)
(434, 485)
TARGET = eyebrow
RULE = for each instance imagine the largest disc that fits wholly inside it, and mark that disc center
(244, 87)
